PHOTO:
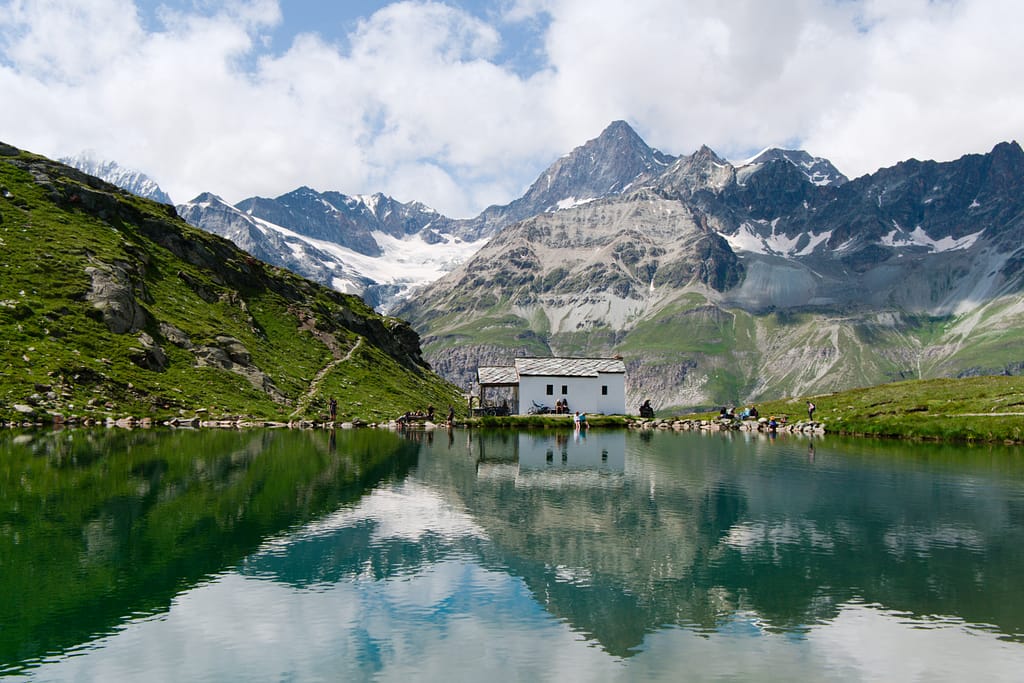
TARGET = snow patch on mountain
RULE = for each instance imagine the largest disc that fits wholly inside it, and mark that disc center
(572, 202)
(815, 240)
(919, 238)
(370, 200)
(748, 239)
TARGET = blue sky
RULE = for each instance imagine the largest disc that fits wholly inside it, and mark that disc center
(335, 20)
(461, 104)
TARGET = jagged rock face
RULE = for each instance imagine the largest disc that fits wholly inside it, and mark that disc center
(341, 219)
(601, 255)
(271, 246)
(615, 162)
(400, 219)
(777, 188)
(148, 354)
(328, 216)
(978, 193)
(282, 231)
(231, 354)
(815, 169)
(702, 172)
(113, 294)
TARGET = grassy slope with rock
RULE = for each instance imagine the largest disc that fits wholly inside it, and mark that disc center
(112, 306)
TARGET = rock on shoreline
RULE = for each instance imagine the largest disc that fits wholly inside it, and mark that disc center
(726, 425)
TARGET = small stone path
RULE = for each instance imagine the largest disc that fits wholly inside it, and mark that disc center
(314, 386)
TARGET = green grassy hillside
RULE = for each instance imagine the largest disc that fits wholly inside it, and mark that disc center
(112, 306)
(983, 409)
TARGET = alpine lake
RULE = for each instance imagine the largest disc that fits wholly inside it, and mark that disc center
(469, 555)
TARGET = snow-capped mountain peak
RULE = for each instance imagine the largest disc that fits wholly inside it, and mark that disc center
(819, 171)
(136, 182)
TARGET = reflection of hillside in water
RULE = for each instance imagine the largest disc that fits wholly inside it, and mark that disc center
(99, 524)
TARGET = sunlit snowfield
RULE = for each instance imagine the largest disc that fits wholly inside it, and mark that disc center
(505, 556)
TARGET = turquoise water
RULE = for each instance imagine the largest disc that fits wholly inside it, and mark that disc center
(468, 555)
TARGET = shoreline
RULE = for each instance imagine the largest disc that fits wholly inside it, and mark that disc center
(524, 422)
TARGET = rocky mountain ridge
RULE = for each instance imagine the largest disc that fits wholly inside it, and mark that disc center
(605, 166)
(721, 284)
(297, 230)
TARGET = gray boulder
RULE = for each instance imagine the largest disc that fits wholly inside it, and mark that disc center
(113, 295)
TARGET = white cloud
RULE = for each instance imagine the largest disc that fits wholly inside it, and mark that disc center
(938, 81)
(416, 102)
(67, 41)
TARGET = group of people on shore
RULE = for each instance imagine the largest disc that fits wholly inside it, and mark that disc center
(425, 416)
(749, 413)
(411, 415)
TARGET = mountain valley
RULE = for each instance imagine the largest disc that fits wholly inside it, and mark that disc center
(718, 283)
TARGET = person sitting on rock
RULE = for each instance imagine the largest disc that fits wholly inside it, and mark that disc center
(646, 410)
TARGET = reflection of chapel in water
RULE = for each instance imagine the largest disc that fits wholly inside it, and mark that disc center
(545, 459)
(588, 537)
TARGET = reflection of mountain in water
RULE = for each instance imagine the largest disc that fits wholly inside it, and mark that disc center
(597, 543)
(624, 537)
(696, 529)
(389, 532)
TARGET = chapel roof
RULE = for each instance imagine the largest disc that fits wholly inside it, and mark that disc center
(569, 367)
